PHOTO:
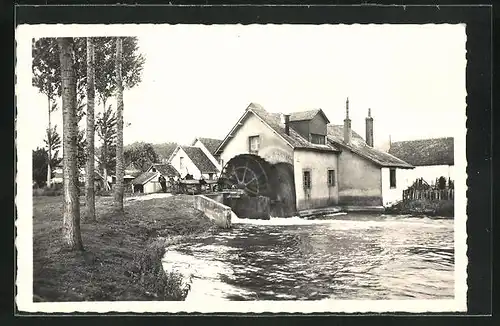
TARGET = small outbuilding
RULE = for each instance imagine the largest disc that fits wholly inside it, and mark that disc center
(433, 158)
(148, 182)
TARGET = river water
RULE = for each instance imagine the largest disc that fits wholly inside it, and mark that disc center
(351, 257)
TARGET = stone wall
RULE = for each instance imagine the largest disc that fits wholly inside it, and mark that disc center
(217, 212)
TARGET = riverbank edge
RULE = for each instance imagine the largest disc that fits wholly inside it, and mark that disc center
(423, 207)
(122, 260)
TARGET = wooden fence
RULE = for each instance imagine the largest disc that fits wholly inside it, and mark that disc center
(429, 194)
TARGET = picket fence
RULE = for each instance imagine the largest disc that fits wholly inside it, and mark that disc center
(429, 194)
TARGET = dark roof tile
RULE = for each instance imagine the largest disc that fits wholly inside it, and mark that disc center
(359, 146)
(294, 138)
(425, 152)
(199, 159)
(166, 169)
(144, 178)
(306, 115)
(210, 143)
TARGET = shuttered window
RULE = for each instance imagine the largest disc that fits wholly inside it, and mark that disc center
(307, 179)
(331, 178)
(392, 178)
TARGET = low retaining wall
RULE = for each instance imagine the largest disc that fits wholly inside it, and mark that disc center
(217, 212)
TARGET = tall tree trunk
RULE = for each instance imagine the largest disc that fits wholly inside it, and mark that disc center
(119, 187)
(49, 170)
(71, 214)
(104, 153)
(89, 171)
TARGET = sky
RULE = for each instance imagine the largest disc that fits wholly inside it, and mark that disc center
(198, 80)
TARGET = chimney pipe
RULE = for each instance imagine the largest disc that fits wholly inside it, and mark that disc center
(347, 124)
(287, 124)
(369, 129)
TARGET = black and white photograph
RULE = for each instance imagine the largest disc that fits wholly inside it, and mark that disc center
(241, 168)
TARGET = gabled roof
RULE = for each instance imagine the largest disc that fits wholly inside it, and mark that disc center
(337, 132)
(164, 150)
(359, 147)
(273, 121)
(144, 178)
(166, 169)
(425, 152)
(307, 115)
(198, 157)
(210, 143)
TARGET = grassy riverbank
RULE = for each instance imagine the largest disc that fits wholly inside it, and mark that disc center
(122, 257)
(444, 208)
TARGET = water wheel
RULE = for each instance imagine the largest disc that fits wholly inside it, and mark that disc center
(246, 172)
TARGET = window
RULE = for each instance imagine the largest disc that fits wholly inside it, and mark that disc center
(253, 144)
(181, 163)
(307, 179)
(331, 178)
(221, 162)
(210, 176)
(317, 139)
(392, 178)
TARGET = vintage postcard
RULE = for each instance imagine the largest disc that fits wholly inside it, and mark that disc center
(241, 168)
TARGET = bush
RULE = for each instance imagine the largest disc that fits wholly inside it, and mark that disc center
(149, 273)
(47, 192)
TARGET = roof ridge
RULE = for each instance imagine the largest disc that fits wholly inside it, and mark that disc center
(421, 139)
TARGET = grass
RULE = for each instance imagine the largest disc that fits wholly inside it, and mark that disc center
(122, 256)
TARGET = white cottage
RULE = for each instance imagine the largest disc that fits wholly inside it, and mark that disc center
(432, 158)
(193, 160)
(148, 182)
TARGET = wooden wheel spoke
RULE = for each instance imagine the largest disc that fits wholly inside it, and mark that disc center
(249, 182)
(245, 172)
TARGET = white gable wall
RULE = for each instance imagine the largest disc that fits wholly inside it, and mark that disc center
(188, 165)
(272, 147)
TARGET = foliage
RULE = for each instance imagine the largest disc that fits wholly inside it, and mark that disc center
(164, 150)
(53, 141)
(47, 74)
(149, 273)
(141, 154)
(40, 159)
(46, 67)
(48, 192)
(106, 130)
(105, 55)
(81, 156)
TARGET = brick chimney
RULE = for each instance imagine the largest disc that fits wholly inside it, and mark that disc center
(369, 129)
(347, 124)
(287, 124)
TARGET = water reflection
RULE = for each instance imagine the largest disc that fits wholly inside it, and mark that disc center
(356, 257)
